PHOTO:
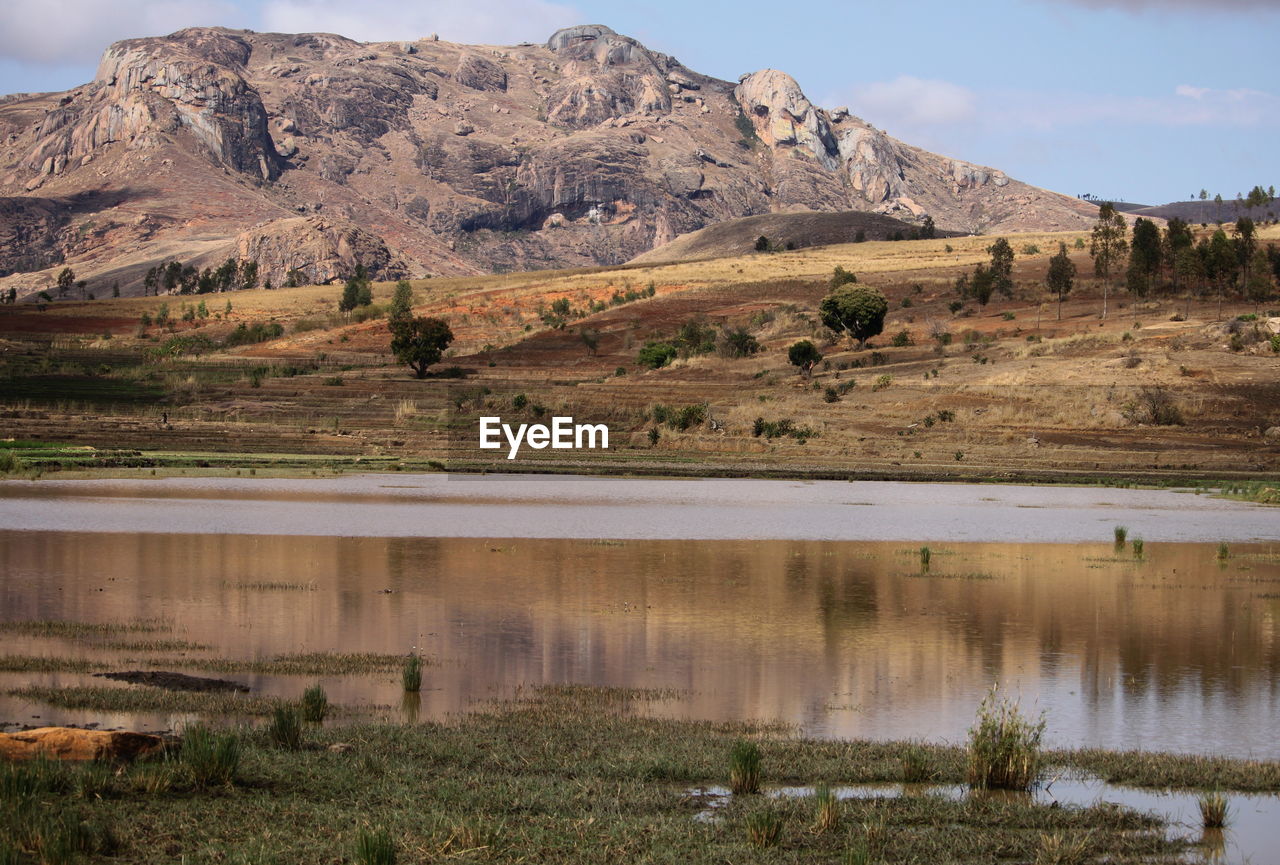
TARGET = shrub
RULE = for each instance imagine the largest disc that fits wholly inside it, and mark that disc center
(1154, 406)
(831, 395)
(744, 768)
(738, 343)
(285, 728)
(882, 382)
(411, 674)
(656, 355)
(1121, 534)
(315, 704)
(1138, 547)
(1004, 746)
(254, 333)
(212, 758)
(1030, 249)
(902, 338)
(1275, 342)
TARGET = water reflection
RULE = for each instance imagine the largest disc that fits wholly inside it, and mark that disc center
(844, 638)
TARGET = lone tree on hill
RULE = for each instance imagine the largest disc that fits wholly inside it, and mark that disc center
(66, 279)
(420, 342)
(1062, 275)
(1109, 246)
(401, 304)
(857, 310)
(804, 355)
(1001, 266)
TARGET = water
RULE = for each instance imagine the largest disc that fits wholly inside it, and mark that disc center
(830, 625)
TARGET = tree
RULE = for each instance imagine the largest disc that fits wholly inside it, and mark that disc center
(840, 277)
(1188, 265)
(762, 244)
(1258, 286)
(1109, 245)
(66, 280)
(248, 275)
(1177, 237)
(1204, 194)
(1062, 275)
(656, 355)
(857, 310)
(928, 231)
(1245, 243)
(982, 284)
(805, 355)
(1220, 262)
(419, 342)
(401, 304)
(1001, 266)
(1144, 257)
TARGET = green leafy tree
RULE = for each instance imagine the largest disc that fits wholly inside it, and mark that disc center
(805, 355)
(928, 231)
(401, 304)
(1221, 263)
(1177, 237)
(1258, 285)
(1001, 266)
(840, 277)
(857, 310)
(762, 244)
(1108, 247)
(420, 342)
(1062, 275)
(982, 285)
(66, 281)
(1246, 243)
(1144, 257)
(656, 355)
(248, 275)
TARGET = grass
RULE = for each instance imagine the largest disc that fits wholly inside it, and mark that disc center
(915, 765)
(827, 818)
(80, 630)
(744, 768)
(308, 664)
(213, 758)
(375, 848)
(100, 699)
(42, 664)
(1004, 746)
(411, 674)
(285, 728)
(561, 777)
(1224, 552)
(926, 555)
(1214, 811)
(1120, 533)
(315, 705)
(1138, 548)
(764, 828)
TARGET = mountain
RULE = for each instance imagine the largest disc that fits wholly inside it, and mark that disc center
(316, 152)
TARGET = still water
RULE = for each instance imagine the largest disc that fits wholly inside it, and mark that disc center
(830, 624)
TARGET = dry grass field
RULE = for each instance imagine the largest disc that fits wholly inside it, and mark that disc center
(1164, 389)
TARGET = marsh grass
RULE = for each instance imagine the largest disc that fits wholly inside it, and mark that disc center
(1138, 548)
(915, 764)
(135, 699)
(1057, 848)
(42, 664)
(1121, 533)
(764, 828)
(744, 768)
(827, 818)
(1214, 810)
(212, 758)
(858, 854)
(1224, 552)
(926, 555)
(315, 705)
(307, 664)
(285, 728)
(1004, 746)
(411, 674)
(75, 630)
(375, 847)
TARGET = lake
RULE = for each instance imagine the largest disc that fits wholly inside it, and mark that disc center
(797, 601)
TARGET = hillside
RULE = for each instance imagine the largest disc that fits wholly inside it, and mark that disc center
(315, 152)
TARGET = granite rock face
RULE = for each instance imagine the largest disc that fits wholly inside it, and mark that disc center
(316, 152)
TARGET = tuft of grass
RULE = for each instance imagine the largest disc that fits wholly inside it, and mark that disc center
(1056, 848)
(285, 729)
(1138, 548)
(1214, 811)
(764, 828)
(827, 818)
(315, 705)
(858, 854)
(1224, 552)
(375, 848)
(213, 759)
(744, 768)
(1004, 745)
(411, 674)
(926, 555)
(1121, 534)
(915, 765)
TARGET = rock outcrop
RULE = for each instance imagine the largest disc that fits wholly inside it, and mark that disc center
(71, 743)
(316, 152)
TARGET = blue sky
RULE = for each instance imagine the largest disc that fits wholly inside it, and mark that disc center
(1145, 100)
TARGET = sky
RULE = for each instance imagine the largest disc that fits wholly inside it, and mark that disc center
(1137, 100)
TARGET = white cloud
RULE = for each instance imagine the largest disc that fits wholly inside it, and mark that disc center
(1190, 92)
(76, 31)
(1215, 8)
(913, 103)
(496, 22)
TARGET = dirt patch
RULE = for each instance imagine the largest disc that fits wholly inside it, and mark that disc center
(175, 681)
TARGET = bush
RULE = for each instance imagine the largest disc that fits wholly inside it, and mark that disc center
(656, 355)
(831, 395)
(254, 333)
(1153, 406)
(1275, 342)
(738, 343)
(901, 339)
(1004, 746)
